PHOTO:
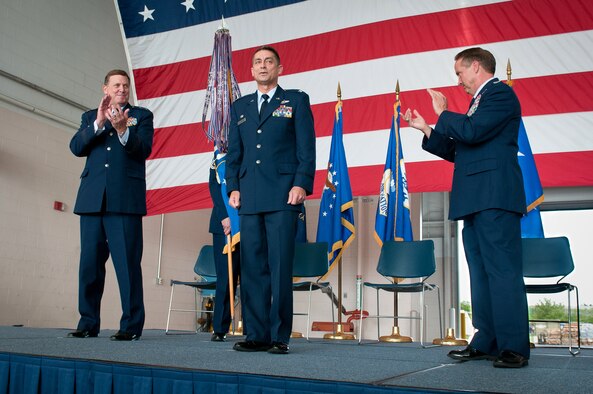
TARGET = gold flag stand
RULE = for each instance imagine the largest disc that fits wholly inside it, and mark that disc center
(338, 331)
(237, 330)
(339, 334)
(296, 334)
(395, 336)
(449, 339)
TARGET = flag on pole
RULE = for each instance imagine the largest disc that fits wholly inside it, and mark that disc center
(336, 216)
(392, 220)
(221, 91)
(220, 166)
(531, 223)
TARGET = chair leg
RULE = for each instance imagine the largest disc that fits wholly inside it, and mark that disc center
(378, 319)
(331, 307)
(361, 315)
(574, 352)
(196, 309)
(423, 317)
(170, 304)
(309, 312)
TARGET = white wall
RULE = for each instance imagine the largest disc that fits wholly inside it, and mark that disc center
(65, 47)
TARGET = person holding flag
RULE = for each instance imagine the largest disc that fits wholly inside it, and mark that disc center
(270, 167)
(487, 193)
(220, 228)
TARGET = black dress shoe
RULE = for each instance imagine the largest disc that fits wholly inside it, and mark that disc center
(217, 337)
(251, 346)
(278, 348)
(124, 336)
(82, 334)
(469, 354)
(510, 359)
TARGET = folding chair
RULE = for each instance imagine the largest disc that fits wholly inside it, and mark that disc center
(206, 271)
(550, 258)
(401, 259)
(310, 261)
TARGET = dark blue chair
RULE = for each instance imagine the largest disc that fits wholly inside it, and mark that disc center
(311, 261)
(404, 260)
(551, 258)
(204, 286)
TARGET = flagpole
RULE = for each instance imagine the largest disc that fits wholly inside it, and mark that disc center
(395, 336)
(231, 281)
(339, 333)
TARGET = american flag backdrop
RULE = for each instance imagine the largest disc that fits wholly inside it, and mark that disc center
(366, 46)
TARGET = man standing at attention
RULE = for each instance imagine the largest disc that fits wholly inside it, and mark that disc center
(270, 171)
(116, 139)
(487, 193)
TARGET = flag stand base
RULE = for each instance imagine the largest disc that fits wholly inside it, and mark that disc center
(296, 334)
(395, 337)
(450, 340)
(339, 334)
(239, 329)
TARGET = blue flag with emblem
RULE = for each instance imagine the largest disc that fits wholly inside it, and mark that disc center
(336, 215)
(220, 166)
(531, 223)
(392, 220)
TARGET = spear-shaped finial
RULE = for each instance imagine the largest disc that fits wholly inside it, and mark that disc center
(397, 90)
(509, 72)
(223, 25)
(339, 93)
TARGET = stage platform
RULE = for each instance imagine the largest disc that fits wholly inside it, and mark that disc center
(45, 360)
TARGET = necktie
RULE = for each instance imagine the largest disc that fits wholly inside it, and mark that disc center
(264, 104)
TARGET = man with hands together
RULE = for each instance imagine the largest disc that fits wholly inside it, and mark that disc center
(488, 195)
(116, 139)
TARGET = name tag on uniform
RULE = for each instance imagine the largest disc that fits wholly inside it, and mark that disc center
(283, 111)
(242, 120)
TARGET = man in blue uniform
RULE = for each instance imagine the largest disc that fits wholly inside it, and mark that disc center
(270, 171)
(116, 139)
(487, 193)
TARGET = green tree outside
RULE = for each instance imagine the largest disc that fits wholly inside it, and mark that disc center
(546, 309)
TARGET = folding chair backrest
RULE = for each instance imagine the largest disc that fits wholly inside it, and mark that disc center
(407, 259)
(546, 257)
(205, 263)
(310, 259)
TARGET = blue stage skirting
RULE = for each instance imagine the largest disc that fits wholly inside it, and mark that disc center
(23, 374)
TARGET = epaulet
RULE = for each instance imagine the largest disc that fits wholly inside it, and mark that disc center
(246, 97)
(138, 107)
(294, 91)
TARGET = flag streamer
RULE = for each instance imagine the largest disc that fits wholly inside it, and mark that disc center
(221, 91)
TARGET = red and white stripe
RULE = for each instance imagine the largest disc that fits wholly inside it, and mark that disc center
(367, 47)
